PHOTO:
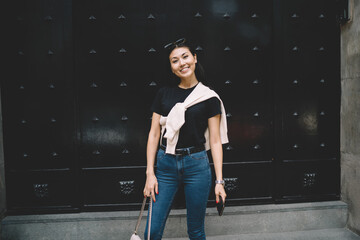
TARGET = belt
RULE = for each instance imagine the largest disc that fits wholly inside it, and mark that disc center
(186, 151)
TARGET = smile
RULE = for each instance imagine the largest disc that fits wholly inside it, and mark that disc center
(184, 69)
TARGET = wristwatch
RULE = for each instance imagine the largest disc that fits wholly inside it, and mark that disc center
(220, 182)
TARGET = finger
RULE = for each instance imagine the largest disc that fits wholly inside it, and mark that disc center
(217, 198)
(223, 197)
(153, 195)
(156, 188)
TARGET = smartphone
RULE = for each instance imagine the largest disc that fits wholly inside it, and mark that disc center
(220, 206)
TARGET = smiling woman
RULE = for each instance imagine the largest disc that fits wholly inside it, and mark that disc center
(183, 64)
(188, 119)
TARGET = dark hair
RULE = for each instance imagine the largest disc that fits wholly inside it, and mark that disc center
(199, 70)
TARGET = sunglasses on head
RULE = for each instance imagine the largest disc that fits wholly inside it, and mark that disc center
(176, 43)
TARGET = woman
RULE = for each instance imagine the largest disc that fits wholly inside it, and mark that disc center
(195, 122)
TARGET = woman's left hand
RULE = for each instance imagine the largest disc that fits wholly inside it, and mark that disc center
(219, 191)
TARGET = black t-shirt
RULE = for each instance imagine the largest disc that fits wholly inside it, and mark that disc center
(196, 116)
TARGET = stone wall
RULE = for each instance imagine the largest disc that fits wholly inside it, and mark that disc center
(350, 117)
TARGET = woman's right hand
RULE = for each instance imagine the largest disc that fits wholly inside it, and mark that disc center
(151, 186)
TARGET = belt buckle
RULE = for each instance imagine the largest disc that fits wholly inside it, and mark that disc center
(183, 151)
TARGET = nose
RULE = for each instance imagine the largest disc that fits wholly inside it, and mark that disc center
(182, 62)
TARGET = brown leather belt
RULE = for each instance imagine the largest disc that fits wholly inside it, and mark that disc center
(186, 151)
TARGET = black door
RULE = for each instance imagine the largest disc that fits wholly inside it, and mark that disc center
(84, 73)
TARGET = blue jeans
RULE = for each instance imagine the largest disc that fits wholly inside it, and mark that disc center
(193, 171)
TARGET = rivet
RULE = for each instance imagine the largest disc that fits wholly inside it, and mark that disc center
(92, 17)
(228, 82)
(322, 80)
(295, 114)
(122, 50)
(322, 144)
(21, 53)
(257, 146)
(198, 15)
(125, 151)
(25, 155)
(256, 114)
(95, 119)
(295, 81)
(50, 52)
(226, 16)
(322, 113)
(123, 84)
(48, 18)
(93, 85)
(51, 86)
(153, 84)
(256, 81)
(53, 120)
(229, 148)
(21, 87)
(92, 51)
(228, 115)
(227, 48)
(254, 16)
(295, 15)
(124, 118)
(321, 16)
(121, 17)
(152, 50)
(54, 154)
(321, 49)
(198, 48)
(295, 146)
(295, 49)
(151, 17)
(256, 48)
(23, 121)
(96, 152)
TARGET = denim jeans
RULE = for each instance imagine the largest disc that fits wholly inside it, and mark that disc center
(193, 172)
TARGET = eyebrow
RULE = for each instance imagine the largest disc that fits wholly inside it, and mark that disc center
(181, 55)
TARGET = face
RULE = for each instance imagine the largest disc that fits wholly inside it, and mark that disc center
(182, 62)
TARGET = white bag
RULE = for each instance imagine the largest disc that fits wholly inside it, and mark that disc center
(135, 236)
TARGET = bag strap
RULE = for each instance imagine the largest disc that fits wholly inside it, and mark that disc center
(140, 216)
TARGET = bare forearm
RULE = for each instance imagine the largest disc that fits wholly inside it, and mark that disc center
(152, 145)
(217, 156)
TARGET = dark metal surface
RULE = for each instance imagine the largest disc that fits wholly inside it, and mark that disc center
(76, 108)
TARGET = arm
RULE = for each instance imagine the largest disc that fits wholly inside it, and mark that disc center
(217, 154)
(151, 185)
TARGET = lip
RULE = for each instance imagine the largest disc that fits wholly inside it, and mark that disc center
(184, 69)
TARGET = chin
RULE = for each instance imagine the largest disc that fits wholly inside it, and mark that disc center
(188, 74)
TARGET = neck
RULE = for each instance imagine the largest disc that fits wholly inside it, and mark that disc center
(188, 82)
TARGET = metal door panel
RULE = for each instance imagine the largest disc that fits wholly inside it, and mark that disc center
(116, 187)
(84, 74)
(310, 180)
(38, 190)
(247, 182)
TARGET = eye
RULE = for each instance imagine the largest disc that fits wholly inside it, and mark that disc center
(175, 61)
(186, 56)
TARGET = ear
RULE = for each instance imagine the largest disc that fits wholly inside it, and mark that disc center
(195, 58)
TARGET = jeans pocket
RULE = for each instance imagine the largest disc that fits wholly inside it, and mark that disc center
(199, 155)
(160, 155)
